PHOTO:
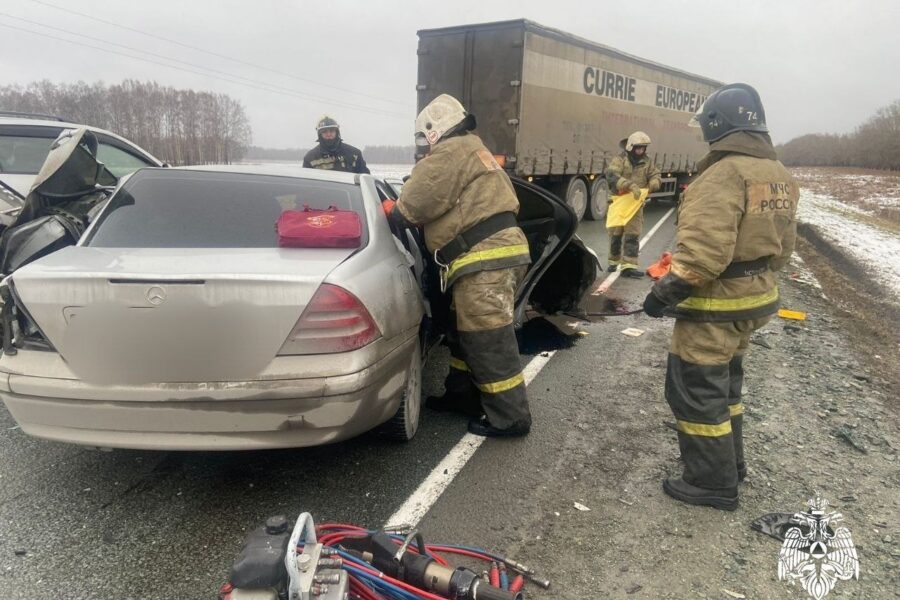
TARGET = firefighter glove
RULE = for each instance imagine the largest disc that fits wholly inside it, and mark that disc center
(636, 191)
(671, 289)
(653, 306)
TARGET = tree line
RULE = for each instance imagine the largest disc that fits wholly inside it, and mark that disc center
(396, 155)
(181, 127)
(874, 145)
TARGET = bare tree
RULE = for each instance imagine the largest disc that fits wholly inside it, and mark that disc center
(875, 144)
(178, 126)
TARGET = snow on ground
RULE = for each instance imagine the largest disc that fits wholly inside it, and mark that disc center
(876, 247)
(390, 171)
(876, 192)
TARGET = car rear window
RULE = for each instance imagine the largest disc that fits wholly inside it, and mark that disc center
(170, 208)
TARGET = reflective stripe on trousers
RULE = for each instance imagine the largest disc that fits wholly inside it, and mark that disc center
(704, 379)
(492, 357)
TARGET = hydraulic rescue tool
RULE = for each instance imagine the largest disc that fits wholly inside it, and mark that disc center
(344, 562)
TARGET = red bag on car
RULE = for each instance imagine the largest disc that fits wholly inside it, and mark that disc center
(310, 228)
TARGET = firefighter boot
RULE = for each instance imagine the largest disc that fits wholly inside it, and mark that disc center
(724, 499)
(736, 408)
(484, 428)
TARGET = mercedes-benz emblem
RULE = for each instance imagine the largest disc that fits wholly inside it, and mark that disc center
(156, 295)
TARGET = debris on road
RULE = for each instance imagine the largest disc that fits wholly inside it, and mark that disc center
(760, 341)
(844, 432)
(794, 315)
(581, 507)
(733, 594)
(633, 332)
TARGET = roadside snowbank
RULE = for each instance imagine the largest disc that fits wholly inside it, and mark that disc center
(875, 247)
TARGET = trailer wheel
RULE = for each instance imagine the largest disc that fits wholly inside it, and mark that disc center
(575, 192)
(599, 203)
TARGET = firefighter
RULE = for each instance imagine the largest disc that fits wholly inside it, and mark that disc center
(468, 207)
(629, 172)
(333, 153)
(736, 228)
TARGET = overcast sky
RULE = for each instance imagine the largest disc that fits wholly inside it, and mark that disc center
(820, 66)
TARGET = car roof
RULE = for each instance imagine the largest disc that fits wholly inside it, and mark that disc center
(279, 170)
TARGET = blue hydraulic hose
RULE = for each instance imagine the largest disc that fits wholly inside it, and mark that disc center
(381, 584)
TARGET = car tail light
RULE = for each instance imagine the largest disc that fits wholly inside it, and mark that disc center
(333, 321)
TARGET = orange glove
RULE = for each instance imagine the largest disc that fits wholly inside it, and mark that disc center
(388, 206)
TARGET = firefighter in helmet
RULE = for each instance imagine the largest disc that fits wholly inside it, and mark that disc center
(736, 228)
(628, 173)
(333, 153)
(468, 207)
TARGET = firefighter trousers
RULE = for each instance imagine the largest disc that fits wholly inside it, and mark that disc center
(484, 354)
(704, 378)
(625, 242)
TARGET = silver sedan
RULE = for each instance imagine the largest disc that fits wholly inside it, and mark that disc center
(177, 321)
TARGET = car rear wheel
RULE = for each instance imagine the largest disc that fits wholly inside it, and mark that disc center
(599, 203)
(402, 427)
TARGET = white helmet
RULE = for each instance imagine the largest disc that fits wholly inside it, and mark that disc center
(441, 116)
(638, 138)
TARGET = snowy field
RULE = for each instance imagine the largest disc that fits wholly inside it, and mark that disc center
(860, 213)
(391, 171)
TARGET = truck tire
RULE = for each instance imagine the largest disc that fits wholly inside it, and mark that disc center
(599, 203)
(575, 193)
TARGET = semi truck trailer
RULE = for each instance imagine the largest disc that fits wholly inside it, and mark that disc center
(554, 108)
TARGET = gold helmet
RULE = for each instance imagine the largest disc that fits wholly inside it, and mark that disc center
(638, 138)
(445, 114)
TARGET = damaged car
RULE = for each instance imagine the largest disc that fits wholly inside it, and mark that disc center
(178, 321)
(26, 140)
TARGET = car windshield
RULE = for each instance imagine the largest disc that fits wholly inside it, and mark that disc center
(170, 208)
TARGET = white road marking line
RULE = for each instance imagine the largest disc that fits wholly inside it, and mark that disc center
(611, 278)
(440, 478)
(421, 501)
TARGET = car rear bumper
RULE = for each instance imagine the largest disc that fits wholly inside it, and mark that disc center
(234, 415)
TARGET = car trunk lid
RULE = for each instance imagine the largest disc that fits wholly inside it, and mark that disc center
(138, 315)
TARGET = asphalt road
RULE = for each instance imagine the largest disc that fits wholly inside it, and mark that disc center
(83, 523)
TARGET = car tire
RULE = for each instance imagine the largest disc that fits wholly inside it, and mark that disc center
(599, 204)
(402, 427)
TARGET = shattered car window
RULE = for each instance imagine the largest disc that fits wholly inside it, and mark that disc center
(168, 208)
